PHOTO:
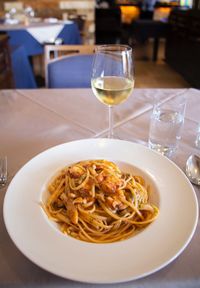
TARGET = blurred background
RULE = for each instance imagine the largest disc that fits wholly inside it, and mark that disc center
(165, 35)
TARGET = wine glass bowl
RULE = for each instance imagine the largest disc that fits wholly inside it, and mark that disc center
(112, 76)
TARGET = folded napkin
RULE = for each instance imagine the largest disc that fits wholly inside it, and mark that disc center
(45, 33)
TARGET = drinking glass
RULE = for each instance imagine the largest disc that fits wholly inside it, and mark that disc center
(112, 76)
(166, 124)
(197, 141)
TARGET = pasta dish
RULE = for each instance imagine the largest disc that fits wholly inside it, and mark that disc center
(95, 202)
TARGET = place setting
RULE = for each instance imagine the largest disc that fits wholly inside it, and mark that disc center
(99, 156)
(104, 197)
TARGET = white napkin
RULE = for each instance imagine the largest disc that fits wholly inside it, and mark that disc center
(46, 33)
(50, 20)
(11, 21)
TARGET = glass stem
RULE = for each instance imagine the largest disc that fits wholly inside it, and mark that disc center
(110, 132)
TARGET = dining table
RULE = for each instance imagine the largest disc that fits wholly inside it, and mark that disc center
(144, 29)
(34, 35)
(32, 121)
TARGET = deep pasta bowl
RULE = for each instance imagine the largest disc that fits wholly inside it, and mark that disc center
(143, 254)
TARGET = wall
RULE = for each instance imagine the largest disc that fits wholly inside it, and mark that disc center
(44, 4)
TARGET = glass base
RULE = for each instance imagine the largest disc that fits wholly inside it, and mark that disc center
(167, 151)
(197, 142)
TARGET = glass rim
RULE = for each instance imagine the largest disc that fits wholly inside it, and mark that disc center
(113, 47)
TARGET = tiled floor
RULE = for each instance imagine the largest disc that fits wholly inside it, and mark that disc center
(157, 75)
(149, 74)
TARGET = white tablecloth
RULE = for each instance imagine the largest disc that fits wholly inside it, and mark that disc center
(34, 120)
(40, 24)
(42, 31)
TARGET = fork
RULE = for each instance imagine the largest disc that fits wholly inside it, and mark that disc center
(3, 171)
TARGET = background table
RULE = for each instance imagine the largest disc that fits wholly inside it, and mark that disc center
(19, 35)
(22, 69)
(24, 46)
(34, 120)
(143, 29)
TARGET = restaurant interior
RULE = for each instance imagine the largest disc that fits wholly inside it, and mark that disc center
(99, 143)
(164, 36)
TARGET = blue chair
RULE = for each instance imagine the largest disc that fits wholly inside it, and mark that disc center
(73, 70)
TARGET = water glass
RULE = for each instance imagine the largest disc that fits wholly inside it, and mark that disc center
(197, 141)
(166, 124)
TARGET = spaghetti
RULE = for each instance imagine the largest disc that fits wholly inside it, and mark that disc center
(95, 202)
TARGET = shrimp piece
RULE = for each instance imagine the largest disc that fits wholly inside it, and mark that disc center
(115, 204)
(76, 171)
(110, 184)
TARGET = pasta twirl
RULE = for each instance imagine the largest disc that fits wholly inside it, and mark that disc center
(94, 201)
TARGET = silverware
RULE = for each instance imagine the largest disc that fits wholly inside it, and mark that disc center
(3, 171)
(192, 169)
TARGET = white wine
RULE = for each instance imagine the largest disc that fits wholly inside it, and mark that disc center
(112, 90)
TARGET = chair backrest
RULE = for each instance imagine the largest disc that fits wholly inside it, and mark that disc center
(68, 65)
(6, 76)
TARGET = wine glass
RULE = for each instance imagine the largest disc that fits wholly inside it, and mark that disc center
(112, 76)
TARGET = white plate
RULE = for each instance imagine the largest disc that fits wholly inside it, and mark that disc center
(147, 252)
